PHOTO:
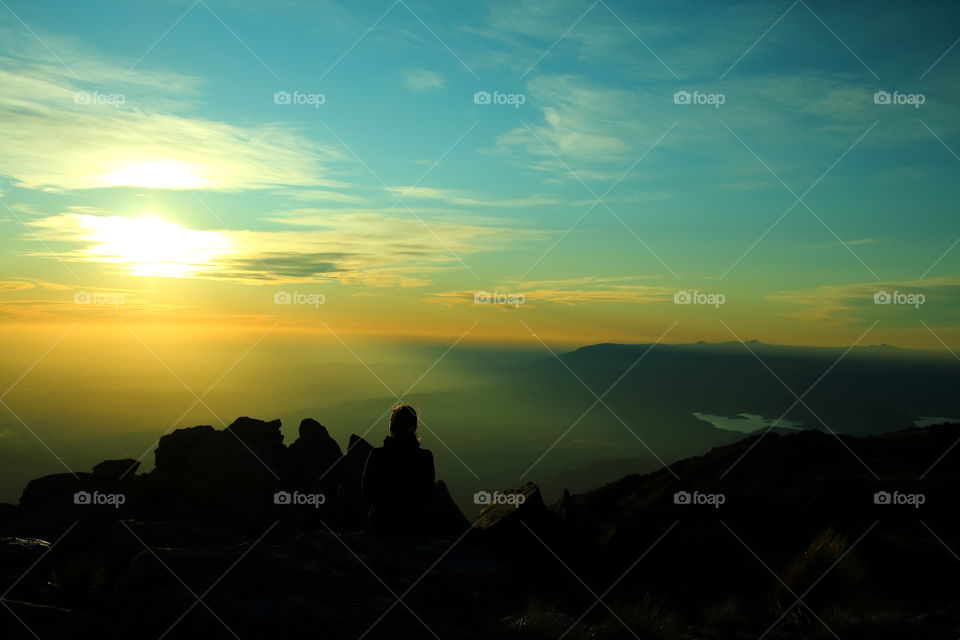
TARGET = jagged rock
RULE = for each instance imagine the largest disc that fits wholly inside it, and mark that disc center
(24, 568)
(311, 429)
(93, 559)
(53, 492)
(219, 479)
(174, 535)
(247, 447)
(317, 583)
(446, 519)
(116, 469)
(523, 533)
(313, 454)
(545, 624)
(29, 621)
(352, 504)
(8, 513)
(501, 515)
(176, 450)
(257, 433)
(778, 498)
(76, 495)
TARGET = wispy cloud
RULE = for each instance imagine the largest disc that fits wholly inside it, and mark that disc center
(422, 80)
(364, 248)
(61, 132)
(856, 242)
(26, 284)
(569, 292)
(846, 304)
(464, 198)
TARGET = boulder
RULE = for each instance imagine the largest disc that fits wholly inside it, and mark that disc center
(511, 511)
(518, 529)
(54, 492)
(116, 469)
(353, 507)
(316, 583)
(25, 568)
(175, 450)
(446, 519)
(217, 479)
(29, 621)
(313, 455)
(258, 434)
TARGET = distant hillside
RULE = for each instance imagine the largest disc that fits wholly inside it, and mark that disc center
(868, 390)
(735, 536)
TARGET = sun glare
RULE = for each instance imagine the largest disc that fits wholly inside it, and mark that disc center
(151, 246)
(162, 174)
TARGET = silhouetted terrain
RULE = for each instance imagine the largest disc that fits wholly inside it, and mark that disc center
(513, 409)
(223, 539)
(499, 411)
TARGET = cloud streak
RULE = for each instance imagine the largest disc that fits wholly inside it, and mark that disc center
(61, 133)
(363, 248)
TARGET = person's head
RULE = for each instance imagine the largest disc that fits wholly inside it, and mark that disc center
(403, 420)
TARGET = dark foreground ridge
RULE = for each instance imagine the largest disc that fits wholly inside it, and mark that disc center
(235, 535)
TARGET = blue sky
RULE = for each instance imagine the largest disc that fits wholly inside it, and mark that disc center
(597, 198)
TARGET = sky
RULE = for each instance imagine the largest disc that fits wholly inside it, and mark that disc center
(490, 172)
(214, 208)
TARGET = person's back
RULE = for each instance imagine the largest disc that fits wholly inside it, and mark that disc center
(398, 480)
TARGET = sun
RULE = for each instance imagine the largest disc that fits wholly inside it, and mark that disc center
(152, 246)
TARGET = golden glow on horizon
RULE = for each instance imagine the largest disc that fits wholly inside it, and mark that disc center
(151, 246)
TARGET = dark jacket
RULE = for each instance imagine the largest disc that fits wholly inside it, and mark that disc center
(398, 486)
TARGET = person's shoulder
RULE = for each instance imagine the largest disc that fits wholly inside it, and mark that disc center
(425, 453)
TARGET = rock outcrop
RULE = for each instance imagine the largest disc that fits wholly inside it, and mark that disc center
(209, 522)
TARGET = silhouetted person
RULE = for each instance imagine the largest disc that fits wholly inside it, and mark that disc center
(398, 479)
